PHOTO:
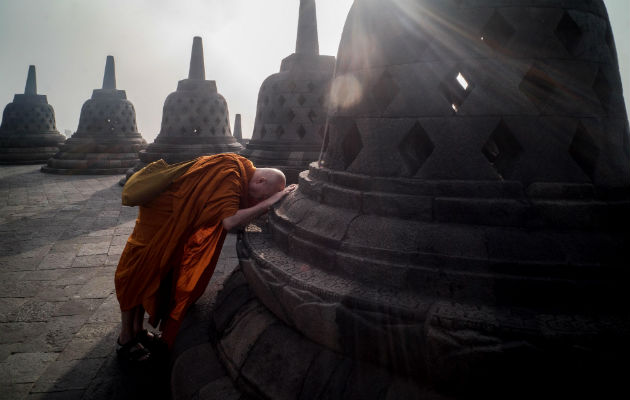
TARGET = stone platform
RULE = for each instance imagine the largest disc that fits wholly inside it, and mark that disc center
(60, 241)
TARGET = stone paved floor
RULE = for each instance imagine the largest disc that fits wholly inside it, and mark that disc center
(60, 240)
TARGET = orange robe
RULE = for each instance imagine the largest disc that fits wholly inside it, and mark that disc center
(170, 256)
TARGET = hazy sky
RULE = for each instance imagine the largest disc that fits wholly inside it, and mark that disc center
(244, 42)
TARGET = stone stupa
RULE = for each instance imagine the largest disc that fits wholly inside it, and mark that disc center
(195, 119)
(291, 111)
(466, 232)
(28, 134)
(107, 140)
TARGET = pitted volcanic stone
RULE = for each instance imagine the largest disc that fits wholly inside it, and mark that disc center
(28, 134)
(474, 180)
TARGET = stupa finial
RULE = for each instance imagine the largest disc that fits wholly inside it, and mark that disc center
(238, 133)
(109, 79)
(307, 40)
(197, 68)
(31, 81)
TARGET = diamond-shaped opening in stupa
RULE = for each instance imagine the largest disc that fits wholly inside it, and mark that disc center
(502, 150)
(537, 86)
(351, 146)
(301, 131)
(584, 150)
(415, 148)
(568, 32)
(384, 91)
(602, 89)
(497, 32)
(456, 88)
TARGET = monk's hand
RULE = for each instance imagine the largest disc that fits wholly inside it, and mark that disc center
(276, 197)
(290, 188)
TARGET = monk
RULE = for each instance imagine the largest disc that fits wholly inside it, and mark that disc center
(175, 245)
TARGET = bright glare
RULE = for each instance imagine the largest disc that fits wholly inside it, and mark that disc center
(345, 91)
(462, 81)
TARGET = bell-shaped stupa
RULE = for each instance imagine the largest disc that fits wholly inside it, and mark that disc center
(195, 119)
(466, 230)
(107, 140)
(291, 114)
(28, 134)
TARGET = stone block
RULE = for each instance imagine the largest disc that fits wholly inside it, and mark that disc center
(193, 370)
(293, 358)
(243, 332)
(234, 294)
(25, 367)
(221, 388)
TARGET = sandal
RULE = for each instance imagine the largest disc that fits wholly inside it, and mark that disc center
(132, 352)
(149, 339)
(153, 342)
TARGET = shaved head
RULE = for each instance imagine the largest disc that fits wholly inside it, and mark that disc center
(265, 182)
(274, 176)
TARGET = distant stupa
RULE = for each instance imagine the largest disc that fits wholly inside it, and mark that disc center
(28, 134)
(107, 140)
(195, 119)
(291, 113)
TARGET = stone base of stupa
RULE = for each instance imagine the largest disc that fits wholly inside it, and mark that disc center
(20, 149)
(267, 357)
(468, 326)
(89, 157)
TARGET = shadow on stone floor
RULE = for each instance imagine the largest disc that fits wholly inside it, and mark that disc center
(27, 229)
(96, 378)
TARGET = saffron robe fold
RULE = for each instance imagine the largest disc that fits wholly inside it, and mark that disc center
(179, 236)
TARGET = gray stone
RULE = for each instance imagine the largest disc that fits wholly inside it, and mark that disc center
(291, 110)
(195, 121)
(107, 140)
(28, 134)
(25, 367)
(251, 321)
(219, 389)
(67, 375)
(266, 358)
(466, 212)
(193, 370)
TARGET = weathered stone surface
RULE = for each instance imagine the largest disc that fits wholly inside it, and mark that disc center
(268, 359)
(291, 110)
(195, 119)
(193, 370)
(107, 140)
(28, 134)
(463, 228)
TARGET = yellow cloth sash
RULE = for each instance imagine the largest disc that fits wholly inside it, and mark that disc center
(150, 181)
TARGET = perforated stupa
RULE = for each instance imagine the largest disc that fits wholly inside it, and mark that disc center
(28, 134)
(107, 140)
